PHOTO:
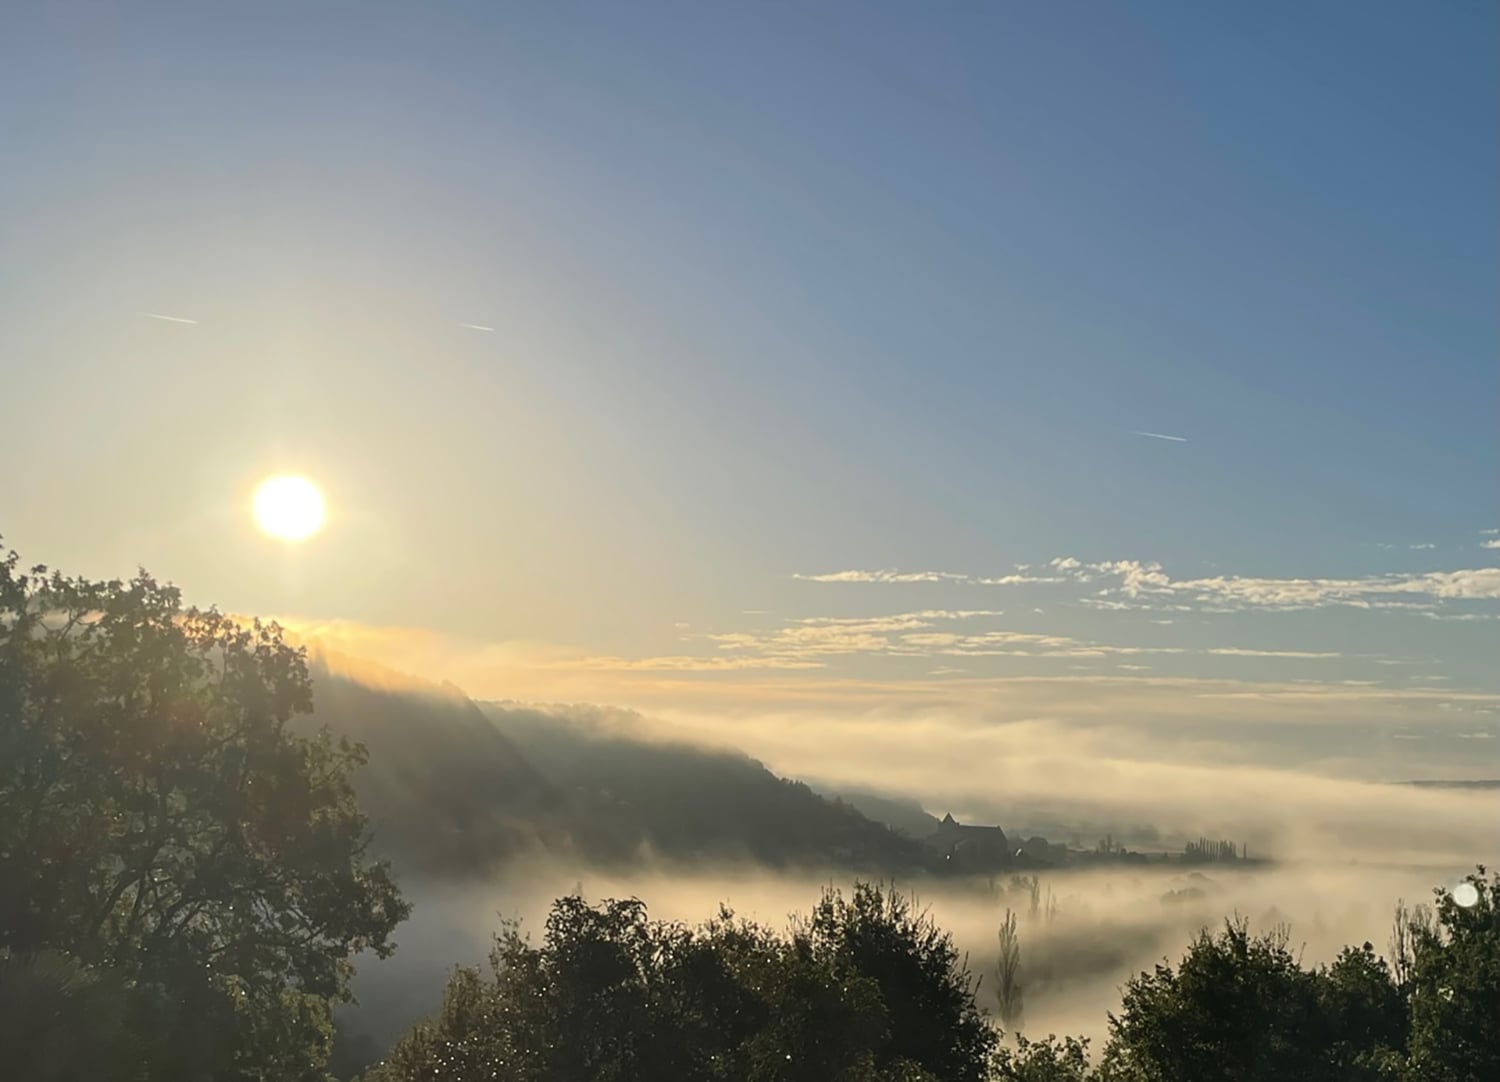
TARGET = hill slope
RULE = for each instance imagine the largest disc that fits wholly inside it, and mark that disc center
(906, 816)
(445, 790)
(634, 795)
(453, 789)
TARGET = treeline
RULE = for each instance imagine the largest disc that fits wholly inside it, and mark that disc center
(868, 989)
(692, 805)
(864, 988)
(1205, 851)
(185, 877)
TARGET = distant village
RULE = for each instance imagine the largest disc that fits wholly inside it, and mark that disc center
(963, 848)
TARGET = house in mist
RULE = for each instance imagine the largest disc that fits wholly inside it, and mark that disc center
(1039, 848)
(970, 848)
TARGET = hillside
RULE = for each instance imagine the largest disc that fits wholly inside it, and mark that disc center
(634, 795)
(899, 813)
(445, 790)
(453, 789)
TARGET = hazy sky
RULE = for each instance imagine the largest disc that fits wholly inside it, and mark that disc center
(636, 346)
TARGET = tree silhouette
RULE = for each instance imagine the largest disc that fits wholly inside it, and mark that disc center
(1407, 926)
(1047, 1060)
(922, 980)
(161, 820)
(1206, 851)
(864, 990)
(1455, 984)
(1237, 1007)
(1363, 1016)
(1008, 973)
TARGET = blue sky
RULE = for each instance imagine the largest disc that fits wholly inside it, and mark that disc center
(774, 289)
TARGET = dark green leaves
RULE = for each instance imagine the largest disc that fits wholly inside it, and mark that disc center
(159, 818)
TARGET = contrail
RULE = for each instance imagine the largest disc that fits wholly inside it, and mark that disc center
(1160, 436)
(169, 319)
(476, 327)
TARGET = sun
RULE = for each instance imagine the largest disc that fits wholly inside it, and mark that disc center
(289, 508)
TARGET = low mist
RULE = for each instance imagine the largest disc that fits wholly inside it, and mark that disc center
(1106, 924)
(1331, 856)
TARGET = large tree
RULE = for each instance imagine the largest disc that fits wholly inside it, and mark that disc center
(928, 992)
(1455, 985)
(1238, 1008)
(163, 820)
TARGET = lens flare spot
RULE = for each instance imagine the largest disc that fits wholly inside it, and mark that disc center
(1466, 894)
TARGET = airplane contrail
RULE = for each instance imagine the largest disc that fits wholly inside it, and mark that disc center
(1161, 436)
(476, 327)
(169, 319)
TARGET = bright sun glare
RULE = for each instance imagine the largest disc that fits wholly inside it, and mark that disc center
(290, 508)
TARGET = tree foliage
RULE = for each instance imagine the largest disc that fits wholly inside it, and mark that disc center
(60, 1020)
(866, 989)
(162, 822)
(1241, 1007)
(1046, 1060)
(1237, 1007)
(1008, 987)
(1455, 985)
(923, 981)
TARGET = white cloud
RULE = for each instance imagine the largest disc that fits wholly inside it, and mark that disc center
(1428, 545)
(889, 575)
(1483, 582)
(1492, 543)
(1148, 580)
(932, 639)
(1013, 638)
(916, 634)
(820, 635)
(690, 663)
(901, 619)
(168, 319)
(1234, 651)
(1018, 580)
(1146, 584)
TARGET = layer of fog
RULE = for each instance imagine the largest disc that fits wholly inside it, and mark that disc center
(1109, 923)
(1174, 783)
(1344, 850)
